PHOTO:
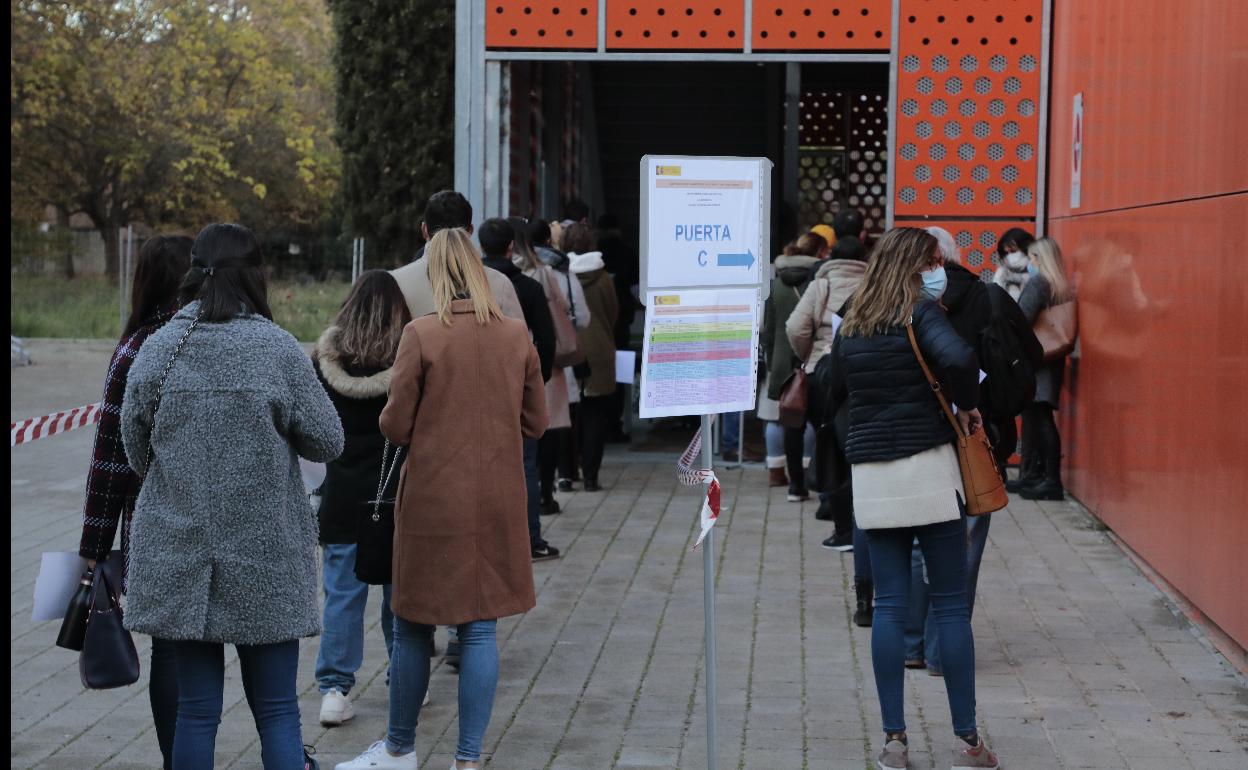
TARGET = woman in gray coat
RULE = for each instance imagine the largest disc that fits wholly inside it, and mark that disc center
(219, 406)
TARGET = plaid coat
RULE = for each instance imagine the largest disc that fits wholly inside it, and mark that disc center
(111, 484)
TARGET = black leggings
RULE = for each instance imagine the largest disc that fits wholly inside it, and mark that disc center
(548, 458)
(162, 690)
(595, 414)
(1040, 436)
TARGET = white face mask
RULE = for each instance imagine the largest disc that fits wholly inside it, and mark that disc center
(1016, 261)
(934, 282)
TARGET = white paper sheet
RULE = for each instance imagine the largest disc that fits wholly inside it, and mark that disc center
(59, 574)
(313, 474)
(625, 366)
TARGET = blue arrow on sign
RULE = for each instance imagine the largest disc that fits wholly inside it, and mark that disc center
(737, 260)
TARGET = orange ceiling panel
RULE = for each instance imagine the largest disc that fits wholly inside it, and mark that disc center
(822, 25)
(686, 25)
(968, 106)
(563, 24)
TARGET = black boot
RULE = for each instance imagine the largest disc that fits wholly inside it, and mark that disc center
(865, 609)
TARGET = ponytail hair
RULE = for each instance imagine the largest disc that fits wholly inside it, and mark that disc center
(226, 275)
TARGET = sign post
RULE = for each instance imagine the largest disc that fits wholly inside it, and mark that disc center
(705, 251)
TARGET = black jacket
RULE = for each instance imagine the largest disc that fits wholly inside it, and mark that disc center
(892, 411)
(351, 479)
(966, 304)
(536, 311)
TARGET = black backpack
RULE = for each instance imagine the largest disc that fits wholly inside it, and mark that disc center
(1008, 356)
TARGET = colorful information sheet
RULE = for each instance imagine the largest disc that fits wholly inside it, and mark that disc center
(699, 352)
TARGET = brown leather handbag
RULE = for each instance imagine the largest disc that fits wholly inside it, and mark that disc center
(794, 400)
(1056, 327)
(981, 478)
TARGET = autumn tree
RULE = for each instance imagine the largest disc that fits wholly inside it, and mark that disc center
(394, 63)
(171, 111)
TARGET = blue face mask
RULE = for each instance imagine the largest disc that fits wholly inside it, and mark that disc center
(1031, 268)
(934, 282)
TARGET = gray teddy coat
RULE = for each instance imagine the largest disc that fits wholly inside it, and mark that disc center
(223, 544)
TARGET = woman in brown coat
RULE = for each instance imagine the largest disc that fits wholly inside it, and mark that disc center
(466, 389)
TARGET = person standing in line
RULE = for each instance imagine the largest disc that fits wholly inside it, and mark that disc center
(448, 209)
(219, 405)
(811, 328)
(906, 478)
(793, 273)
(598, 342)
(1048, 286)
(547, 238)
(466, 392)
(353, 359)
(112, 485)
(624, 268)
(1012, 248)
(497, 237)
(569, 298)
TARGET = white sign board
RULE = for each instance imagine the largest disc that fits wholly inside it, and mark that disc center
(705, 222)
(698, 355)
(1076, 154)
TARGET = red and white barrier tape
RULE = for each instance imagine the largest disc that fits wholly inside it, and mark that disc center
(50, 424)
(691, 476)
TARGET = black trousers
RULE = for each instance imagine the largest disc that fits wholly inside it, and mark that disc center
(794, 451)
(548, 447)
(568, 457)
(595, 418)
(1041, 443)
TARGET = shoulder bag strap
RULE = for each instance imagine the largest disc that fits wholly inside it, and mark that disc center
(571, 299)
(160, 389)
(931, 380)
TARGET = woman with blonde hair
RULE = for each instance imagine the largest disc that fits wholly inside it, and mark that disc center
(1047, 287)
(906, 480)
(466, 389)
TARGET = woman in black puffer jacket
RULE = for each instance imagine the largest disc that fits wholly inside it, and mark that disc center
(906, 479)
(353, 359)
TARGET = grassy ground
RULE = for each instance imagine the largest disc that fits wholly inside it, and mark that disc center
(87, 306)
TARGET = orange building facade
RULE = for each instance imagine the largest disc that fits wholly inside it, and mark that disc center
(960, 113)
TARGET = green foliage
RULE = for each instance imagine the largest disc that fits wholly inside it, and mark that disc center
(395, 62)
(87, 307)
(172, 112)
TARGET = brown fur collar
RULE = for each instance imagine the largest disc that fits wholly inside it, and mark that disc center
(337, 377)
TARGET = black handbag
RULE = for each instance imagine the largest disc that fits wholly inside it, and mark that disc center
(108, 657)
(374, 536)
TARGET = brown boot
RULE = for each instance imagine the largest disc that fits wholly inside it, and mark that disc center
(776, 477)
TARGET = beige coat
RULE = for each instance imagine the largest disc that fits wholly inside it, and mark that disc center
(413, 280)
(462, 398)
(809, 327)
(556, 284)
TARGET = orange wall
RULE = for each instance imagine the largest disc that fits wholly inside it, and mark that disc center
(1156, 417)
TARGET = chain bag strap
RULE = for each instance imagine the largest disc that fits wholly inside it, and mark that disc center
(374, 531)
(160, 390)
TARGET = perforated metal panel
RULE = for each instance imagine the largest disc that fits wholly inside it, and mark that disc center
(661, 24)
(566, 24)
(809, 25)
(844, 155)
(977, 240)
(968, 86)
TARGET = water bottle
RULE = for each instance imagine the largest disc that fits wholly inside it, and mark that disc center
(74, 627)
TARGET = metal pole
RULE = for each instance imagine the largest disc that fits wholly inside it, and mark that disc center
(121, 280)
(741, 438)
(708, 603)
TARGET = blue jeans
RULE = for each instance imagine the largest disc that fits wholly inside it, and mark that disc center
(730, 432)
(944, 551)
(533, 491)
(976, 541)
(409, 679)
(342, 639)
(162, 691)
(269, 673)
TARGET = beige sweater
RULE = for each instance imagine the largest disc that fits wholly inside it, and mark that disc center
(908, 492)
(809, 328)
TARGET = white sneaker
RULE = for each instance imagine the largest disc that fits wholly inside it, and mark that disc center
(377, 758)
(336, 708)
